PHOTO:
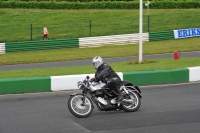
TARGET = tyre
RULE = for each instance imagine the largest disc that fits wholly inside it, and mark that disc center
(77, 109)
(133, 104)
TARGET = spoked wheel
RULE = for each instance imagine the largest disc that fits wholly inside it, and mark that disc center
(132, 102)
(77, 109)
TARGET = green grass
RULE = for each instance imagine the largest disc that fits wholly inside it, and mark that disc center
(182, 45)
(161, 64)
(15, 26)
(15, 23)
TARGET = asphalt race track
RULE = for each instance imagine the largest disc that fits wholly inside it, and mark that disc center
(165, 109)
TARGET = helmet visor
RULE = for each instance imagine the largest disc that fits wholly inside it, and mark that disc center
(95, 64)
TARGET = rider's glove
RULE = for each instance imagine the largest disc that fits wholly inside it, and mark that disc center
(92, 79)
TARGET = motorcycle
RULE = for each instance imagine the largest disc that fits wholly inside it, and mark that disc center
(81, 105)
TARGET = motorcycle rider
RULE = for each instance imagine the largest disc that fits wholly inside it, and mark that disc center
(107, 75)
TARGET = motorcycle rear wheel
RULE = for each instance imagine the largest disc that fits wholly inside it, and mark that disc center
(77, 109)
(135, 105)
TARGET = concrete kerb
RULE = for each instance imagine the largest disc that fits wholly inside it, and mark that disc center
(69, 82)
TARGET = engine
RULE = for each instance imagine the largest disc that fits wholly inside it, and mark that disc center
(99, 93)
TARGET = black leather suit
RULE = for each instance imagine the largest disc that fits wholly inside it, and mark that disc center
(107, 75)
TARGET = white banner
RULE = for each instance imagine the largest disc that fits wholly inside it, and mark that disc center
(185, 33)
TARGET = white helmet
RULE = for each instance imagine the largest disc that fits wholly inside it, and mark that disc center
(97, 61)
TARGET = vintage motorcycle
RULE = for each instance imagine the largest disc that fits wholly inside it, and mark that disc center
(81, 105)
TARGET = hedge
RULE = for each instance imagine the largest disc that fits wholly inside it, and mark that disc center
(93, 0)
(99, 5)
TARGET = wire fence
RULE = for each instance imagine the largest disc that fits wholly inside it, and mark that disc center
(33, 32)
(90, 28)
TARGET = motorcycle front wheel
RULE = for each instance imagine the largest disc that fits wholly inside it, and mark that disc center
(77, 109)
(134, 102)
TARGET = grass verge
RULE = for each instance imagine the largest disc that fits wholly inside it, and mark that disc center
(15, 23)
(159, 64)
(182, 45)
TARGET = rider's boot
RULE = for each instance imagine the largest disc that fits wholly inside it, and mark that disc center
(120, 97)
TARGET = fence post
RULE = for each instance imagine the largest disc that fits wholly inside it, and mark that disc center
(90, 25)
(31, 32)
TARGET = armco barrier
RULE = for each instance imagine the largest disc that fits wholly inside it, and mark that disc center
(2, 48)
(69, 82)
(41, 45)
(161, 36)
(87, 41)
(112, 40)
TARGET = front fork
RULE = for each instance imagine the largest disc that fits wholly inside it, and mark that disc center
(83, 104)
(84, 95)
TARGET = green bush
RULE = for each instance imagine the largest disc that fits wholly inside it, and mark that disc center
(94, 0)
(144, 61)
(99, 5)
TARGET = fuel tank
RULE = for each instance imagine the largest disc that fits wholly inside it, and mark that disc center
(96, 86)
